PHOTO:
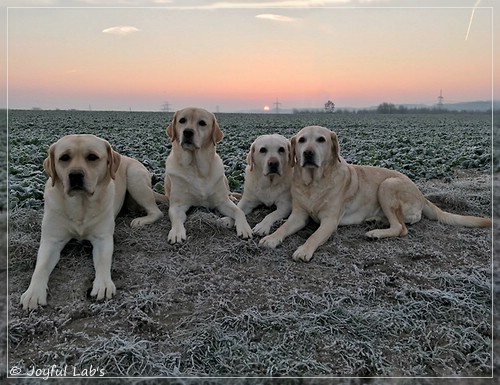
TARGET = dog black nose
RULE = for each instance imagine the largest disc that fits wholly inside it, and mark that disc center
(309, 155)
(76, 179)
(273, 166)
(188, 133)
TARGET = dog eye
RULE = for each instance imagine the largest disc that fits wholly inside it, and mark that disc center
(202, 123)
(182, 120)
(302, 139)
(92, 157)
(321, 139)
(64, 158)
(263, 150)
(281, 150)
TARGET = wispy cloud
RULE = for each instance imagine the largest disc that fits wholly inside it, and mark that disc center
(121, 30)
(280, 18)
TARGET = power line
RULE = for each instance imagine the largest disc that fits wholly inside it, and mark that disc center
(440, 99)
(165, 107)
(277, 104)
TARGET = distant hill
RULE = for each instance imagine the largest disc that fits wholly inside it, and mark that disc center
(472, 106)
(464, 106)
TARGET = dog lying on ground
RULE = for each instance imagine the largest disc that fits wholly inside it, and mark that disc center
(194, 174)
(268, 177)
(333, 192)
(86, 189)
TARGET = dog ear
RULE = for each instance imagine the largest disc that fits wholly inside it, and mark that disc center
(114, 160)
(171, 131)
(250, 156)
(292, 144)
(335, 148)
(217, 134)
(49, 165)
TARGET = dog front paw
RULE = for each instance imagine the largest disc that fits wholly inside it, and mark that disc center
(244, 231)
(103, 288)
(302, 254)
(176, 235)
(262, 228)
(227, 222)
(270, 241)
(33, 297)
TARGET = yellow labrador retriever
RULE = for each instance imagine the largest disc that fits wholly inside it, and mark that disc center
(85, 191)
(194, 174)
(268, 177)
(333, 192)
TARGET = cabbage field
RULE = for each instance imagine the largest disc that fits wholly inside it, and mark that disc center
(421, 146)
(218, 306)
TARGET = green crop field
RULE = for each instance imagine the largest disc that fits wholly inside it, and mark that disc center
(421, 146)
(219, 306)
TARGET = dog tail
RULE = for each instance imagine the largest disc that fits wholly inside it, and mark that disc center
(160, 198)
(433, 212)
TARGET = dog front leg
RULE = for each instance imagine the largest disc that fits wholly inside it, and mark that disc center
(245, 205)
(103, 254)
(326, 228)
(229, 209)
(177, 216)
(283, 209)
(47, 258)
(296, 221)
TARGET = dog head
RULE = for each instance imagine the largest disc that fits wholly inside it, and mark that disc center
(270, 154)
(80, 163)
(194, 128)
(315, 147)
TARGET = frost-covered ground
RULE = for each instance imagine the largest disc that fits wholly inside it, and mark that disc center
(220, 306)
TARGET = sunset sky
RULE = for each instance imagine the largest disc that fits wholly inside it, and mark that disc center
(242, 55)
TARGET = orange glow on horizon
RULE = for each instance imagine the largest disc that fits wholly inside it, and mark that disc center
(302, 63)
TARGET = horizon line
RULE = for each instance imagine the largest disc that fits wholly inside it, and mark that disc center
(495, 105)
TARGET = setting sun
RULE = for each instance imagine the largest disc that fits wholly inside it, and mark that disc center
(266, 108)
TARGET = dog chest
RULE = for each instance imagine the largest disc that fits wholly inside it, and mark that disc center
(76, 217)
(312, 200)
(196, 191)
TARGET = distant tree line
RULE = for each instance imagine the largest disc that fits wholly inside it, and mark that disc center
(308, 111)
(389, 108)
